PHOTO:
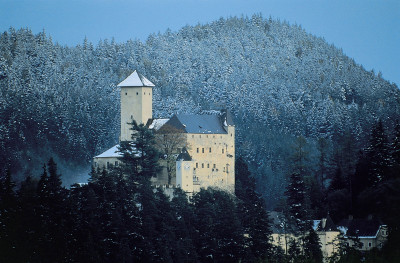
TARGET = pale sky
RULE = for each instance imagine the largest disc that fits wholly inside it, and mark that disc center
(366, 30)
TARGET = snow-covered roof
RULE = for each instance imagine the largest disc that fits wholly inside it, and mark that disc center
(206, 124)
(136, 80)
(157, 124)
(112, 152)
(315, 224)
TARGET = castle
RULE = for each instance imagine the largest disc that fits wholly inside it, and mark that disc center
(199, 150)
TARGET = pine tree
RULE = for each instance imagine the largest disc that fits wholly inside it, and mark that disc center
(52, 211)
(219, 234)
(378, 155)
(395, 152)
(295, 193)
(312, 247)
(140, 157)
(8, 207)
(28, 220)
(184, 227)
(253, 215)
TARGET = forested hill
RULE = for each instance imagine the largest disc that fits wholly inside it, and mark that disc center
(279, 81)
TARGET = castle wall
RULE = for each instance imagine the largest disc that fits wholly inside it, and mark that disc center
(184, 175)
(136, 104)
(213, 159)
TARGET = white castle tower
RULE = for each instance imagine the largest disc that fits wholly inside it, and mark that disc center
(136, 102)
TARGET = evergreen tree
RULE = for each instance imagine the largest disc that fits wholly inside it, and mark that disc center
(253, 215)
(295, 193)
(140, 156)
(294, 251)
(184, 227)
(8, 207)
(395, 151)
(219, 234)
(52, 211)
(28, 221)
(312, 247)
(378, 155)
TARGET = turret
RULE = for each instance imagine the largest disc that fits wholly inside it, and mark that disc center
(136, 103)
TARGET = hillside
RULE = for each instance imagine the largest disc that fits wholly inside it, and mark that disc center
(279, 81)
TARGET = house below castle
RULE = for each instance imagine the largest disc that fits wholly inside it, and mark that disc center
(198, 150)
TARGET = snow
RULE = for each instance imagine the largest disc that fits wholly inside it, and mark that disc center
(157, 124)
(315, 224)
(136, 80)
(342, 229)
(112, 152)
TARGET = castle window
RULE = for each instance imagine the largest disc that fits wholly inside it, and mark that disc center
(207, 136)
(214, 165)
(192, 136)
(137, 93)
(200, 135)
(197, 150)
(131, 116)
(202, 150)
(369, 244)
(208, 165)
(210, 149)
(197, 165)
(108, 164)
(95, 164)
(213, 136)
(126, 93)
(227, 168)
(116, 163)
(144, 93)
(223, 150)
(231, 134)
(202, 165)
(224, 169)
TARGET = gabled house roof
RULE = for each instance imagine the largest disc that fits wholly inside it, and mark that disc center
(326, 224)
(136, 80)
(157, 124)
(113, 152)
(360, 227)
(201, 124)
(184, 156)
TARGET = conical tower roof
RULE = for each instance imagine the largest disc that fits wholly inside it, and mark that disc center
(136, 80)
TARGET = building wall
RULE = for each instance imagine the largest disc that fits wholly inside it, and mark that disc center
(283, 240)
(330, 242)
(105, 162)
(213, 158)
(136, 104)
(213, 163)
(184, 175)
(371, 242)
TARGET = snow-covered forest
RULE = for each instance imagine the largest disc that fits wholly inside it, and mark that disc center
(279, 81)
